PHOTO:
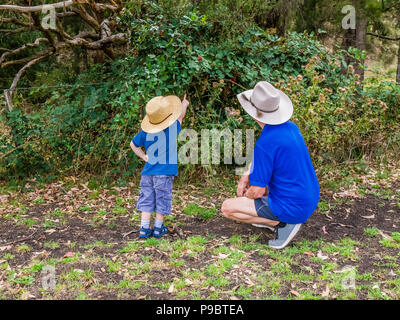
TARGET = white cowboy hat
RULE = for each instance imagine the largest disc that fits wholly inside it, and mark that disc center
(267, 104)
(161, 112)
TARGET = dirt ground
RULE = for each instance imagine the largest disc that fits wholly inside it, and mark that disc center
(90, 237)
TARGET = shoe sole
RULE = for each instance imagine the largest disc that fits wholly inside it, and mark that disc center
(160, 236)
(291, 236)
(263, 226)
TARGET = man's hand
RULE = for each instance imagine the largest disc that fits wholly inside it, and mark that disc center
(255, 192)
(243, 185)
(145, 158)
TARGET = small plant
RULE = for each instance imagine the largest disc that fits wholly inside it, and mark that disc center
(86, 209)
(8, 256)
(324, 207)
(23, 248)
(132, 246)
(396, 236)
(28, 222)
(372, 232)
(57, 213)
(202, 213)
(51, 245)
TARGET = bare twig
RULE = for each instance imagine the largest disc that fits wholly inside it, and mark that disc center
(23, 69)
(124, 235)
(13, 31)
(383, 37)
(20, 240)
(15, 21)
(37, 8)
(25, 46)
(15, 149)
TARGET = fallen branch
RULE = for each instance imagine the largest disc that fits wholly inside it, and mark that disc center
(124, 235)
(20, 240)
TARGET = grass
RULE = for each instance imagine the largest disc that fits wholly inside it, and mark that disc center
(200, 212)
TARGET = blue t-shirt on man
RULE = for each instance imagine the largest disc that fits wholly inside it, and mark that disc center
(282, 163)
(162, 150)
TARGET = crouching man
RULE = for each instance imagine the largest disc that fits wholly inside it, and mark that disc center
(281, 165)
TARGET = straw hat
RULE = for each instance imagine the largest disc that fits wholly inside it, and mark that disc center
(161, 112)
(267, 104)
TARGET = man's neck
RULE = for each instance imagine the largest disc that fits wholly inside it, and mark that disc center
(262, 125)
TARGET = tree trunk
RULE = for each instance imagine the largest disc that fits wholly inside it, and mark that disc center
(85, 59)
(348, 41)
(398, 66)
(361, 36)
(77, 61)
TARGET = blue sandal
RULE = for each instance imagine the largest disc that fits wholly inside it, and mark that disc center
(145, 233)
(159, 232)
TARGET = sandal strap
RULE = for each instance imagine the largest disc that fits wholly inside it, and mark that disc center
(145, 232)
(161, 230)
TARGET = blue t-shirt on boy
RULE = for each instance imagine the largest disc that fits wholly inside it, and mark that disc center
(162, 150)
(282, 163)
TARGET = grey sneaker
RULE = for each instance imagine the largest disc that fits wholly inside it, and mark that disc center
(284, 236)
(263, 226)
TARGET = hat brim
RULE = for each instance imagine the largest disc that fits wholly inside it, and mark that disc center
(282, 115)
(176, 104)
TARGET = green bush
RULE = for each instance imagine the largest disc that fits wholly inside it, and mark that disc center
(88, 128)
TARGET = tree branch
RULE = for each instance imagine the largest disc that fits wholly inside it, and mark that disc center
(63, 4)
(24, 47)
(99, 44)
(383, 37)
(23, 69)
(86, 17)
(66, 14)
(15, 21)
(24, 60)
(13, 31)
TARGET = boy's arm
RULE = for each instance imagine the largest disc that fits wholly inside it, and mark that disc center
(185, 104)
(139, 152)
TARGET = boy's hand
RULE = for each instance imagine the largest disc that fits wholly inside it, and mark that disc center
(185, 102)
(145, 158)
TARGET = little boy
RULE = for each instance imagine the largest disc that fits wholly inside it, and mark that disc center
(160, 129)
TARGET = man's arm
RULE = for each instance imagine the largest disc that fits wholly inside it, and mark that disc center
(139, 152)
(245, 190)
(185, 104)
(244, 183)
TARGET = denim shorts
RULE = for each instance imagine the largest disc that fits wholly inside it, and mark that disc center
(263, 210)
(155, 194)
